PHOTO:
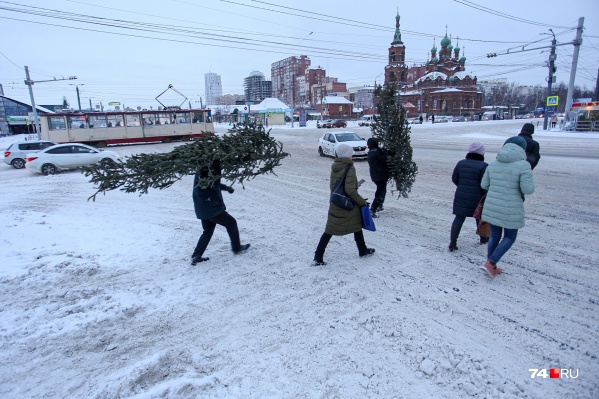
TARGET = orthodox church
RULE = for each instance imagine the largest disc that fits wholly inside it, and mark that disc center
(440, 87)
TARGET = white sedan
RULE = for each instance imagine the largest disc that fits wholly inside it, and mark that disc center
(67, 156)
(328, 143)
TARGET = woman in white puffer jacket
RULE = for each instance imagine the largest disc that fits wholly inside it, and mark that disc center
(507, 180)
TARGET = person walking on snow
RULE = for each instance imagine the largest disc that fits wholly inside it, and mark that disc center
(211, 210)
(532, 147)
(379, 174)
(507, 180)
(467, 176)
(341, 221)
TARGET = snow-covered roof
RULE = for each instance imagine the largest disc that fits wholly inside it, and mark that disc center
(335, 100)
(432, 75)
(463, 74)
(272, 104)
(448, 90)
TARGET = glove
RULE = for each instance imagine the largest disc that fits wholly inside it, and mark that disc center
(230, 189)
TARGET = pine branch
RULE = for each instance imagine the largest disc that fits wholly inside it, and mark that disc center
(244, 153)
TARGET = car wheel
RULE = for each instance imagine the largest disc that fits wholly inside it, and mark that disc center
(18, 163)
(48, 169)
(107, 162)
(320, 152)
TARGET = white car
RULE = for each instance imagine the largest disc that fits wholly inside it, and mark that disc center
(67, 156)
(329, 142)
(16, 154)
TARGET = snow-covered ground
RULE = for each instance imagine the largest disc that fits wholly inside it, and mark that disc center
(98, 299)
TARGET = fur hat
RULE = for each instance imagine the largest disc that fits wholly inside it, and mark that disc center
(517, 140)
(477, 148)
(344, 151)
(528, 128)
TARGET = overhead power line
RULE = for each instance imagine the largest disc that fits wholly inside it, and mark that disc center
(504, 15)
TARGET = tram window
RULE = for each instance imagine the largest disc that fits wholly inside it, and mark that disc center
(114, 120)
(96, 121)
(132, 120)
(76, 122)
(198, 117)
(183, 118)
(56, 123)
(150, 119)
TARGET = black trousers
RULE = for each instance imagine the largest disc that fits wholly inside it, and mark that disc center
(326, 237)
(379, 195)
(456, 227)
(225, 220)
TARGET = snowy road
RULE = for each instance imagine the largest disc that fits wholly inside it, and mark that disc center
(97, 299)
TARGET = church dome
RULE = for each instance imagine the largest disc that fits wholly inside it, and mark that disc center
(445, 42)
(451, 79)
(463, 59)
(436, 59)
(450, 47)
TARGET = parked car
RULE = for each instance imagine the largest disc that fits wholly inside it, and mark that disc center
(328, 143)
(326, 123)
(366, 120)
(459, 119)
(16, 153)
(338, 123)
(67, 156)
(414, 121)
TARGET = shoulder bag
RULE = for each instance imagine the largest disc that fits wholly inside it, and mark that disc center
(338, 196)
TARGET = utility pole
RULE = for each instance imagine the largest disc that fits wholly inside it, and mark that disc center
(577, 43)
(550, 77)
(30, 84)
(78, 98)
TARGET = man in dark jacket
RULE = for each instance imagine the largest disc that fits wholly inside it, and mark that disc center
(532, 147)
(211, 210)
(379, 174)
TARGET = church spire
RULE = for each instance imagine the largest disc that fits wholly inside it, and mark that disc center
(397, 37)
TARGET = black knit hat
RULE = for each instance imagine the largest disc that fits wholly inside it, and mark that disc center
(528, 128)
(372, 143)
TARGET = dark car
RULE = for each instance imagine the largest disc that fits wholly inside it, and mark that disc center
(338, 123)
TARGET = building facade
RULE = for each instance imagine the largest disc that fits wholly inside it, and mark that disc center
(441, 87)
(214, 88)
(283, 75)
(14, 116)
(256, 88)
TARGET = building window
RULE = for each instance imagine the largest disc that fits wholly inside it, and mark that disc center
(392, 57)
(434, 103)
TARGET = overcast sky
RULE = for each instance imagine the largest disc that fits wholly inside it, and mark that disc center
(130, 51)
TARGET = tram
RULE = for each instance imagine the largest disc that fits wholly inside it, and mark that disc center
(586, 116)
(101, 129)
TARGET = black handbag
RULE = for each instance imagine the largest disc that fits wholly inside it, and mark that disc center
(338, 196)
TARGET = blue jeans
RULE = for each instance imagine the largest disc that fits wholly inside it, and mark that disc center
(497, 247)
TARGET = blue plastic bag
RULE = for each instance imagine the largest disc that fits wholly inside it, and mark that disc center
(367, 221)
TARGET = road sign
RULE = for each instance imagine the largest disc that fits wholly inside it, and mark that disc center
(552, 101)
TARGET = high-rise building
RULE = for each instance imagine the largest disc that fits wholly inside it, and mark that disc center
(214, 88)
(256, 88)
(283, 75)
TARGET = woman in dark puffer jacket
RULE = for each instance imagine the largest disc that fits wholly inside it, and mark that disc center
(467, 176)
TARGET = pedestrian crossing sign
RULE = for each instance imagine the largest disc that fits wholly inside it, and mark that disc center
(552, 101)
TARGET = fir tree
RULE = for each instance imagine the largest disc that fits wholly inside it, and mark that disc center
(244, 153)
(392, 131)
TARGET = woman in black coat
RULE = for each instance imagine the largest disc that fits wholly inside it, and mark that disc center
(467, 175)
(211, 210)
